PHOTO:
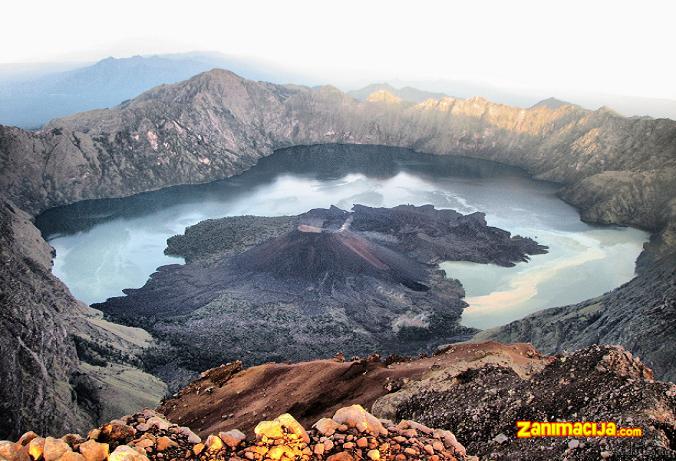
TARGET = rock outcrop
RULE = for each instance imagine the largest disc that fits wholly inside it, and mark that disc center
(596, 384)
(63, 366)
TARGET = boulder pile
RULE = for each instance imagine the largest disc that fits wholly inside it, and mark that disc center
(352, 434)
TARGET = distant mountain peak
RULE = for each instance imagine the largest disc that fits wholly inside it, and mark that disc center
(383, 96)
(216, 73)
(478, 99)
(408, 93)
(609, 110)
(551, 103)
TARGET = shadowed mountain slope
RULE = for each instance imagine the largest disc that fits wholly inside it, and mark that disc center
(63, 367)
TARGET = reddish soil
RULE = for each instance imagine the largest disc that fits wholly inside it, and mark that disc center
(316, 389)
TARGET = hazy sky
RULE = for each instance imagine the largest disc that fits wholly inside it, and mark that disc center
(621, 47)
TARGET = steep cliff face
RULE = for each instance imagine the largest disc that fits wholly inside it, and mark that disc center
(638, 198)
(218, 124)
(38, 360)
(63, 366)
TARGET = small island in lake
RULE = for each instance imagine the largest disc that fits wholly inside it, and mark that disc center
(316, 284)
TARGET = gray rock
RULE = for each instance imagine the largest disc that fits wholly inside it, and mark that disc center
(501, 438)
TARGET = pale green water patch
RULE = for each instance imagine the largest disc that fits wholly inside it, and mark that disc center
(579, 266)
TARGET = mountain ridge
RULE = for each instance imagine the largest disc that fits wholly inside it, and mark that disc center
(552, 103)
(535, 139)
(30, 102)
(406, 93)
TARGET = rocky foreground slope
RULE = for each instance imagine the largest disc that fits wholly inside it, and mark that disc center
(472, 393)
(351, 434)
(476, 391)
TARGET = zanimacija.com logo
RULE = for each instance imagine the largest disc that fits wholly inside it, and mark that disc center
(529, 429)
